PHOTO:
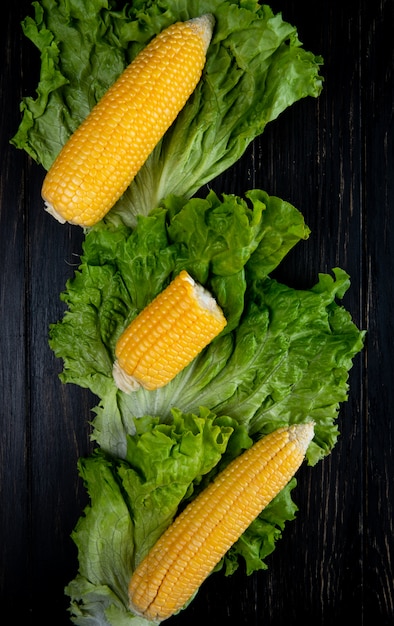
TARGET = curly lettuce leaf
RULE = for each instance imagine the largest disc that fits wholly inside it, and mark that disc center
(133, 500)
(256, 67)
(284, 356)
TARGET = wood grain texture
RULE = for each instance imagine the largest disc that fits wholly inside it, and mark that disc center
(333, 158)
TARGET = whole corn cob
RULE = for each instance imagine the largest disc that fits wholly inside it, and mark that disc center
(167, 335)
(199, 537)
(102, 157)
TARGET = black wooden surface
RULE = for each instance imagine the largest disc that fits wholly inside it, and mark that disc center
(333, 159)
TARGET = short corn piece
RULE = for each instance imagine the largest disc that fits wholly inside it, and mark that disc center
(199, 537)
(167, 335)
(102, 157)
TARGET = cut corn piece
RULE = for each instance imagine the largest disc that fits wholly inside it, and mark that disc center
(167, 335)
(199, 537)
(102, 157)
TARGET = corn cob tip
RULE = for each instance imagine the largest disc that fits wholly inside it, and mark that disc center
(49, 208)
(123, 381)
(302, 434)
(203, 26)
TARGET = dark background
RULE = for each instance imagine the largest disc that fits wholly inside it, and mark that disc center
(333, 159)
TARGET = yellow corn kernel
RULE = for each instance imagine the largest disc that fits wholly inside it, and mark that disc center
(167, 335)
(199, 537)
(102, 157)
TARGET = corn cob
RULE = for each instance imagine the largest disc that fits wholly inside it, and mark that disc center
(104, 154)
(167, 335)
(199, 537)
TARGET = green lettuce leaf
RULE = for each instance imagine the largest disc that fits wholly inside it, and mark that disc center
(133, 500)
(284, 356)
(256, 67)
